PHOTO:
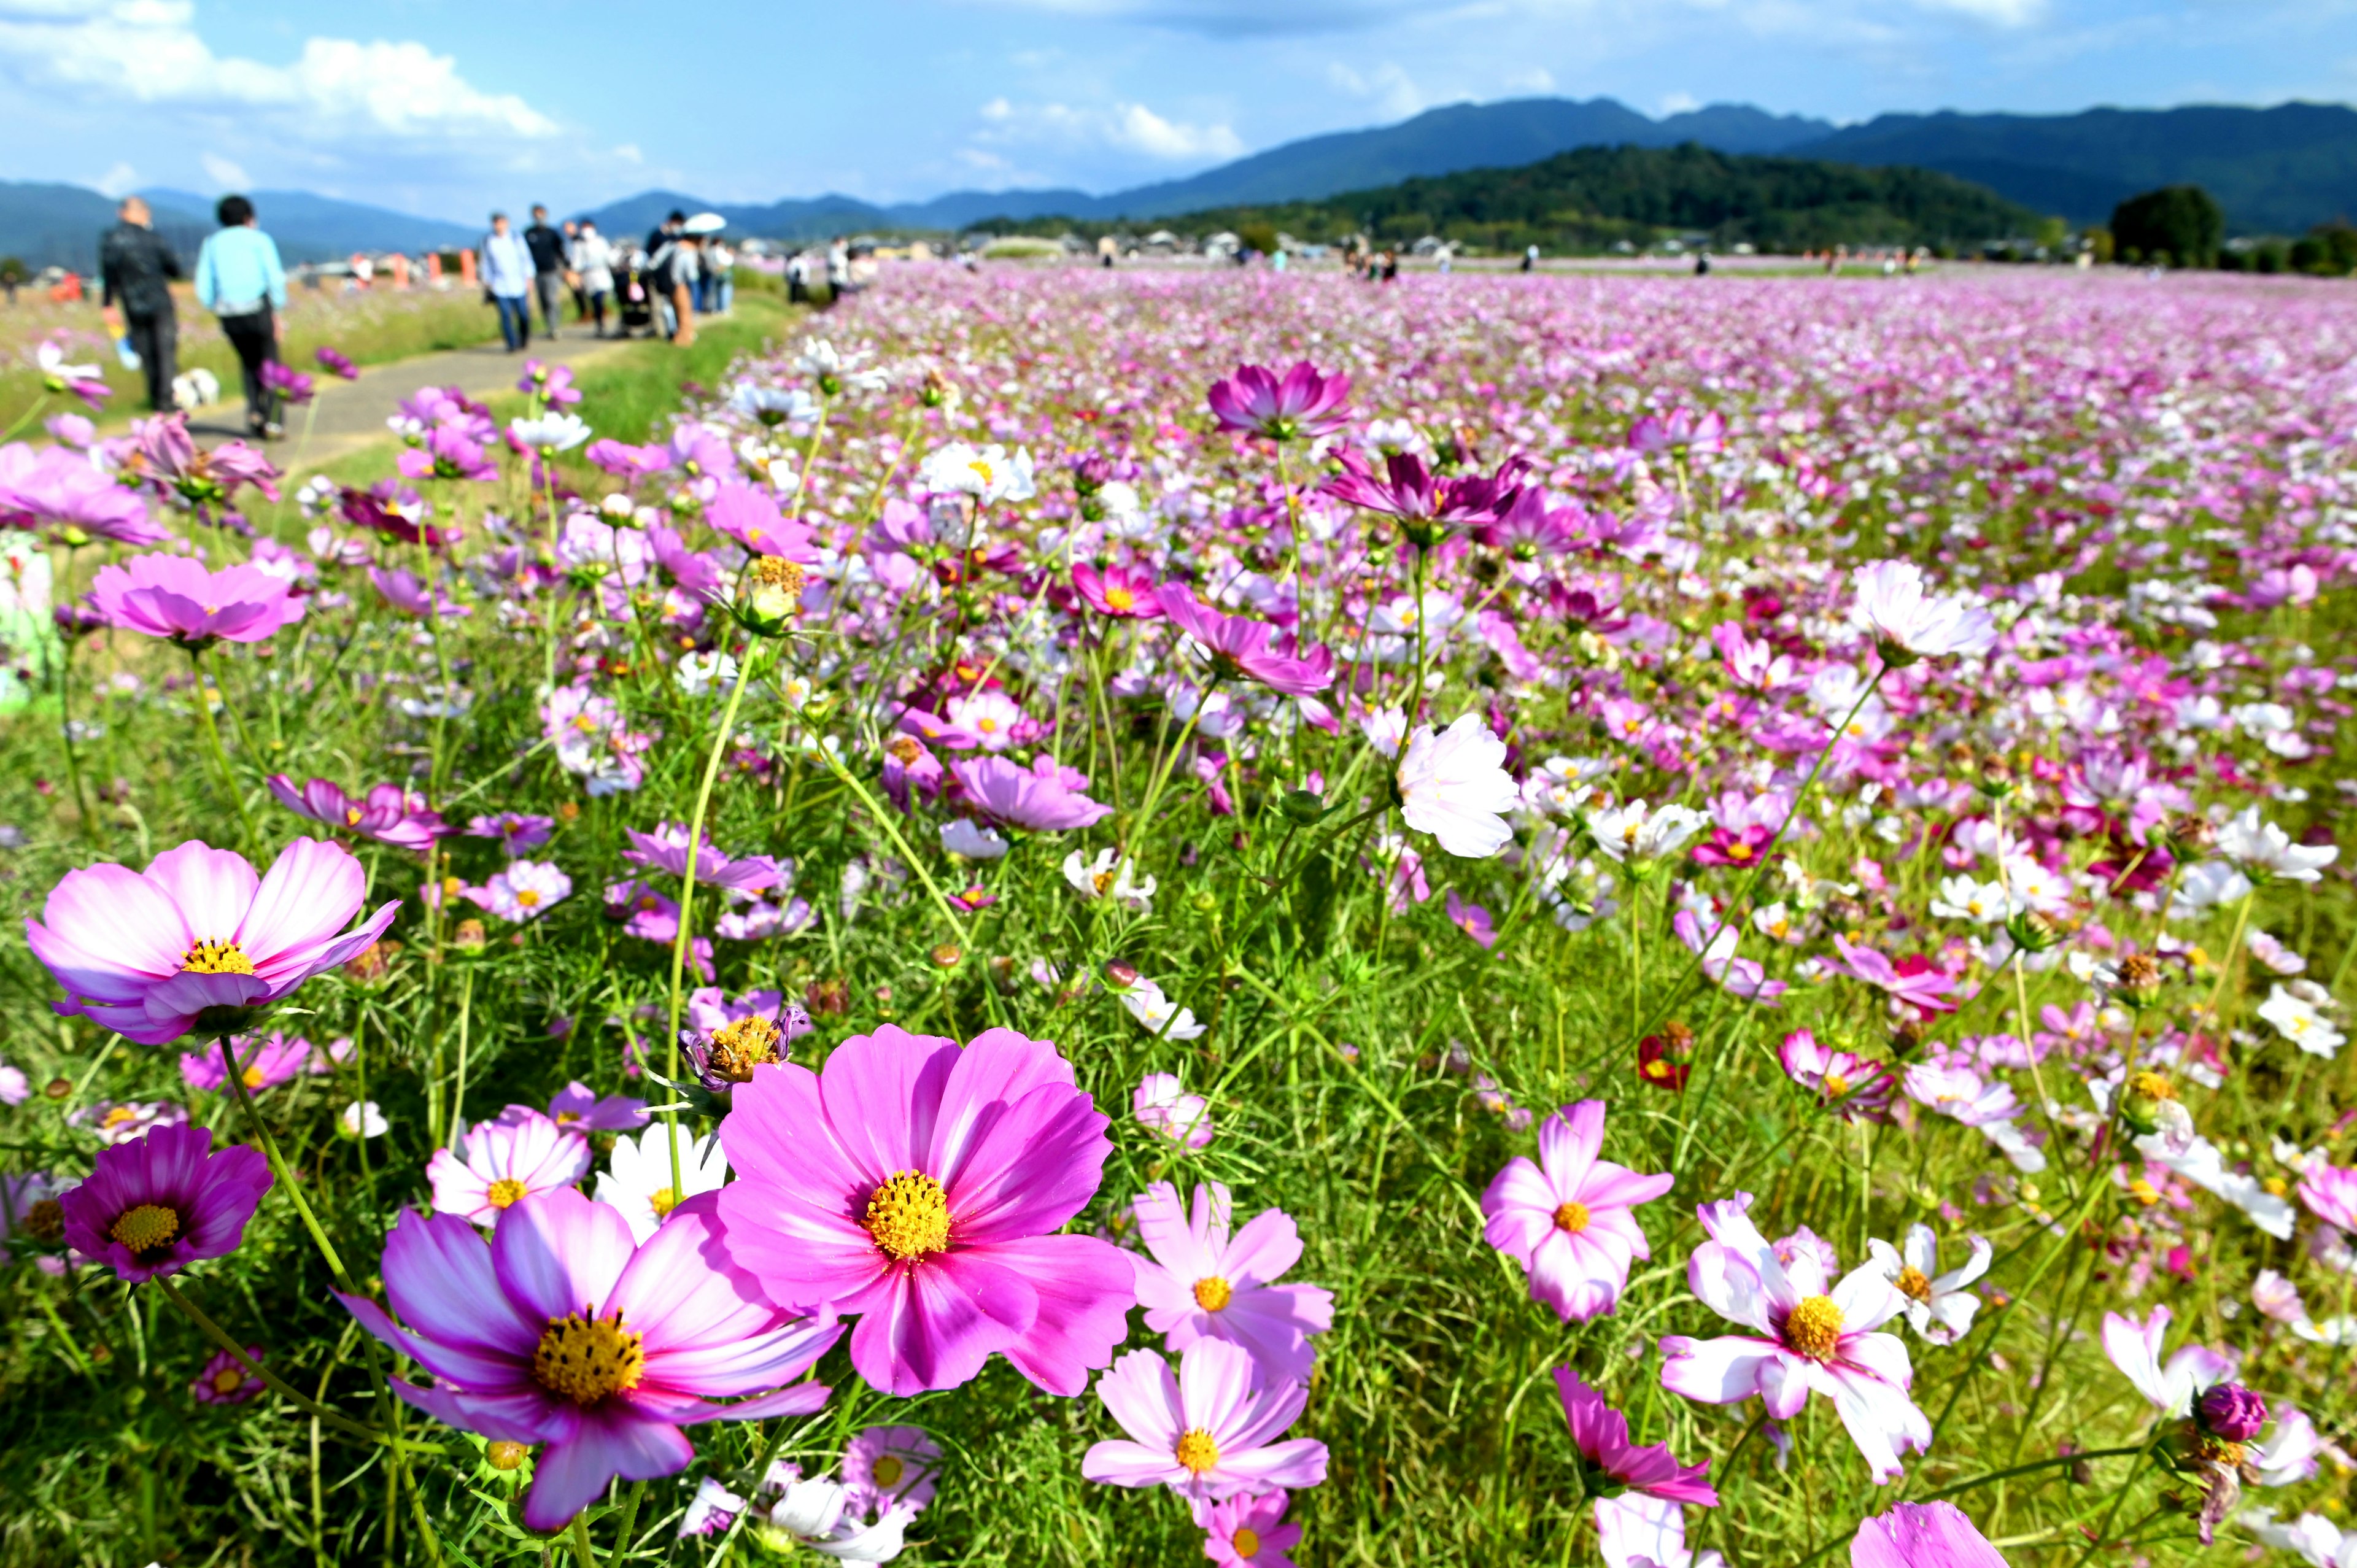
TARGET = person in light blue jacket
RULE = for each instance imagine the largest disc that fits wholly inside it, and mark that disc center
(507, 277)
(239, 280)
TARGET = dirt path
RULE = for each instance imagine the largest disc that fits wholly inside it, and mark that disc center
(351, 414)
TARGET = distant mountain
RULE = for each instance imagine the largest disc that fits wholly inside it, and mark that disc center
(58, 225)
(321, 228)
(2279, 170)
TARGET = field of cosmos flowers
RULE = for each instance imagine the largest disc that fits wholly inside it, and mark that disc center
(1122, 919)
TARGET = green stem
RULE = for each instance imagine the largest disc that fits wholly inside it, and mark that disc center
(220, 756)
(278, 1168)
(458, 1088)
(254, 1369)
(582, 1551)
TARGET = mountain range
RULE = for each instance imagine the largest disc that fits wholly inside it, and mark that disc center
(2277, 170)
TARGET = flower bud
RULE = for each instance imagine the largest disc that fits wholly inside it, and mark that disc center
(2233, 1413)
(2032, 932)
(468, 935)
(2136, 980)
(769, 595)
(2143, 1104)
(1301, 807)
(505, 1455)
(947, 955)
(1120, 975)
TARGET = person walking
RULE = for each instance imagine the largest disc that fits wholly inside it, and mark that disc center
(137, 267)
(798, 277)
(593, 264)
(720, 275)
(240, 280)
(547, 248)
(507, 278)
(573, 274)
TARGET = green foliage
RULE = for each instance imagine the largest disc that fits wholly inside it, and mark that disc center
(2178, 225)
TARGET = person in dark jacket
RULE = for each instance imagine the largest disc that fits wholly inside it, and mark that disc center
(547, 247)
(137, 268)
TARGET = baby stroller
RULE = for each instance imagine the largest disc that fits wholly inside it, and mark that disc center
(637, 302)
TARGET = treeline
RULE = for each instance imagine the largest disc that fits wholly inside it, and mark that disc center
(1594, 199)
(2183, 226)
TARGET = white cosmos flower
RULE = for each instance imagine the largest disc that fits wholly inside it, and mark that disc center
(1939, 1307)
(2297, 1021)
(1159, 1015)
(556, 432)
(1453, 785)
(1962, 898)
(362, 1119)
(2264, 848)
(986, 473)
(774, 405)
(1634, 831)
(638, 1177)
(2207, 885)
(1910, 623)
(1110, 875)
(699, 674)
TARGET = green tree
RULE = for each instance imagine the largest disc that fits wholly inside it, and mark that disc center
(2181, 225)
(1261, 236)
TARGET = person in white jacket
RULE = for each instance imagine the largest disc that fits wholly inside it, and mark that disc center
(507, 278)
(592, 262)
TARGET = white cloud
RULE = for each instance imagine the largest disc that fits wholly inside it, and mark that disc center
(1678, 104)
(120, 180)
(1388, 86)
(1998, 13)
(1535, 79)
(1124, 127)
(1231, 19)
(149, 52)
(229, 175)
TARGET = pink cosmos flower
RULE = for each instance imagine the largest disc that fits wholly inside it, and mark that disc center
(173, 597)
(57, 487)
(526, 890)
(920, 1186)
(751, 516)
(665, 849)
(156, 1205)
(291, 385)
(224, 1381)
(1940, 1306)
(2331, 1194)
(59, 376)
(1909, 622)
(992, 717)
(1305, 404)
(579, 1107)
(1204, 1285)
(336, 363)
(1126, 593)
(1472, 919)
(552, 385)
(1162, 1105)
(266, 1063)
(516, 831)
(389, 813)
(1241, 646)
(1716, 945)
(498, 1164)
(890, 1467)
(1037, 799)
(1922, 1535)
(1205, 1433)
(449, 452)
(1854, 1088)
(1807, 1336)
(1567, 1218)
(565, 1332)
(406, 592)
(2171, 1385)
(1913, 984)
(1247, 1530)
(197, 940)
(114, 1122)
(163, 451)
(1602, 1434)
(1425, 503)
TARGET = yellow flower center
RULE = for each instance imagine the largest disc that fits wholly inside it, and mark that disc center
(987, 726)
(740, 1045)
(118, 1116)
(1837, 1086)
(1102, 882)
(253, 1076)
(352, 816)
(1120, 598)
(566, 1118)
(1739, 850)
(2152, 1085)
(1814, 1329)
(909, 1216)
(1245, 1542)
(886, 1470)
(1911, 1282)
(147, 1227)
(504, 1191)
(982, 467)
(211, 957)
(1213, 1293)
(527, 897)
(1571, 1218)
(662, 1200)
(1197, 1450)
(2144, 1192)
(587, 1357)
(228, 1381)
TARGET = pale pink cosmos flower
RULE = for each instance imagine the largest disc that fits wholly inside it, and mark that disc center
(1453, 784)
(990, 717)
(1567, 1218)
(173, 597)
(1640, 1532)
(1247, 1530)
(1909, 622)
(2134, 1349)
(526, 890)
(1163, 1105)
(1939, 1306)
(1202, 1284)
(1922, 1535)
(1205, 1432)
(497, 1163)
(198, 939)
(886, 1468)
(1808, 1335)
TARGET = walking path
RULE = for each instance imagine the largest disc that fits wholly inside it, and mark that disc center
(351, 414)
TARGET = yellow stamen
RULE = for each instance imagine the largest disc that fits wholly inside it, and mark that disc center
(228, 1381)
(1213, 1293)
(146, 1228)
(886, 1470)
(662, 1200)
(908, 1215)
(1245, 1542)
(1571, 1218)
(1120, 598)
(1197, 1450)
(1912, 1282)
(214, 957)
(504, 1191)
(585, 1358)
(1814, 1329)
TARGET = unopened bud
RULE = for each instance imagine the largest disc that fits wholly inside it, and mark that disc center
(468, 935)
(948, 955)
(2136, 980)
(1120, 975)
(505, 1455)
(2143, 1099)
(2033, 932)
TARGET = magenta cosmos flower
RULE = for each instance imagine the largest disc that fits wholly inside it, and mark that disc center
(752, 518)
(1425, 503)
(1852, 1087)
(171, 596)
(920, 1186)
(1205, 1433)
(197, 940)
(156, 1205)
(225, 1381)
(1922, 1535)
(497, 1165)
(58, 487)
(264, 1064)
(1202, 1284)
(1126, 593)
(1305, 404)
(1808, 1335)
(389, 813)
(565, 1332)
(1248, 1531)
(1037, 797)
(1241, 647)
(1612, 1462)
(1565, 1219)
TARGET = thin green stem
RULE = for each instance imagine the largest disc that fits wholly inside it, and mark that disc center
(254, 1369)
(220, 756)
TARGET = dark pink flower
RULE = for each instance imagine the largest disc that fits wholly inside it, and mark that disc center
(59, 489)
(1247, 1530)
(390, 813)
(334, 361)
(1241, 646)
(1304, 405)
(565, 1332)
(1425, 504)
(224, 1381)
(164, 453)
(920, 1187)
(750, 515)
(665, 849)
(577, 1106)
(516, 831)
(1472, 919)
(1602, 1434)
(1126, 593)
(1854, 1088)
(173, 597)
(1912, 982)
(449, 452)
(1038, 799)
(159, 1203)
(552, 385)
(264, 1064)
(292, 385)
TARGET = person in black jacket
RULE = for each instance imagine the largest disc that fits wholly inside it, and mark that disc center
(137, 268)
(547, 247)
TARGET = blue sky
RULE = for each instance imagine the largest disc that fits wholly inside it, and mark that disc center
(446, 107)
